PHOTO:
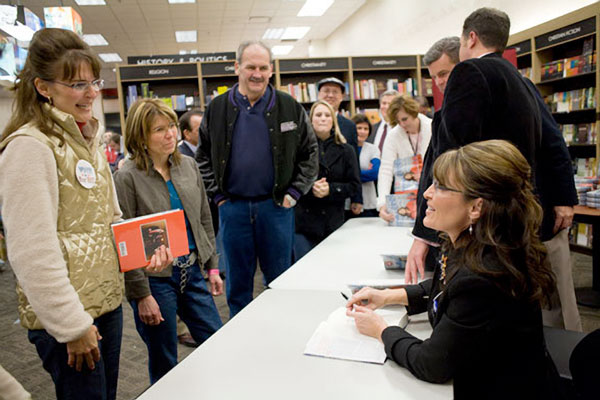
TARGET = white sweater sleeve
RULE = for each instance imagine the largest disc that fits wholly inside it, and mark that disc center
(29, 201)
(386, 169)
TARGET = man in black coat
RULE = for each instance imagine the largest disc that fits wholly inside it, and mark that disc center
(554, 183)
(485, 98)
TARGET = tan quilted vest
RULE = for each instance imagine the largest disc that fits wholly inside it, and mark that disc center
(84, 218)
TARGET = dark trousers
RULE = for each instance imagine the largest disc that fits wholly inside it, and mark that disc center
(100, 383)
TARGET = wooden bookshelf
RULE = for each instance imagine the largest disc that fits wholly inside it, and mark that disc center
(560, 39)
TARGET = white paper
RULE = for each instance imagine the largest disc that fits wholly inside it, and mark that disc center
(338, 337)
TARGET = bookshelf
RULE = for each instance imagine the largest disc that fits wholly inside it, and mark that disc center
(366, 78)
(299, 78)
(559, 56)
(374, 75)
(178, 84)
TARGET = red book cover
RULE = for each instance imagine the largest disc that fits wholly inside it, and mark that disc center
(137, 238)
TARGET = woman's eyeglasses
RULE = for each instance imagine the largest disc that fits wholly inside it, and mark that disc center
(97, 84)
(437, 186)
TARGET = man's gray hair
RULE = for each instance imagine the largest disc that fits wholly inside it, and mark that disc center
(244, 45)
(391, 92)
(449, 46)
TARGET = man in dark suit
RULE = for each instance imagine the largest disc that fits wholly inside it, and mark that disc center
(554, 183)
(485, 98)
(381, 129)
(189, 123)
(332, 91)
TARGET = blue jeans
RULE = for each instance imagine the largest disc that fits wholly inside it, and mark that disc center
(195, 306)
(302, 245)
(251, 230)
(100, 383)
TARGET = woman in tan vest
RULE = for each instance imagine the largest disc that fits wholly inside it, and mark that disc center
(58, 201)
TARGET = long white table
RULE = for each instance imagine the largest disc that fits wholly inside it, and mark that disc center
(259, 355)
(351, 254)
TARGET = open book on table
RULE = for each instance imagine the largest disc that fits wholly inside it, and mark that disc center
(338, 337)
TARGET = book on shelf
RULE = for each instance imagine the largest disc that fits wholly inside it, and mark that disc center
(145, 90)
(132, 95)
(527, 72)
(583, 167)
(573, 100)
(371, 113)
(303, 92)
(571, 66)
(427, 86)
(579, 133)
(581, 234)
(338, 338)
(138, 238)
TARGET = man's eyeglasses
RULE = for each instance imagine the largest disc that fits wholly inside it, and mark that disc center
(97, 84)
(442, 188)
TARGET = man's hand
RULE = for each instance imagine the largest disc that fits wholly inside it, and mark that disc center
(416, 261)
(84, 349)
(385, 215)
(161, 259)
(356, 208)
(149, 311)
(563, 217)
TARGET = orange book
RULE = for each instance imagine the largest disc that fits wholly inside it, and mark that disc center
(137, 238)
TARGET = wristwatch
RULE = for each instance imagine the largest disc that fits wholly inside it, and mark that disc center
(290, 199)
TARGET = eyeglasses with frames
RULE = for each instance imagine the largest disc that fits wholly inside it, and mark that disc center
(442, 188)
(97, 85)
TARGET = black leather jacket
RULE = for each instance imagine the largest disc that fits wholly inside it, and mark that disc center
(293, 144)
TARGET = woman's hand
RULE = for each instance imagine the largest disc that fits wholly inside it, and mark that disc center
(149, 311)
(385, 215)
(368, 297)
(84, 349)
(320, 188)
(161, 259)
(367, 322)
(216, 284)
(356, 208)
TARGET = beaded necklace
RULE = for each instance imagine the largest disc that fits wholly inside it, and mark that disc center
(443, 263)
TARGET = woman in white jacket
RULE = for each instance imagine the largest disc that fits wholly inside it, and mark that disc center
(410, 136)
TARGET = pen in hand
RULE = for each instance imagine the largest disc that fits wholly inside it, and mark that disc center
(344, 296)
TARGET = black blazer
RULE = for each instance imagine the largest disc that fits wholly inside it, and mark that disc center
(485, 98)
(185, 150)
(491, 344)
(348, 129)
(371, 138)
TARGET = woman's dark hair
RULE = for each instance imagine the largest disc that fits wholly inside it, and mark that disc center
(510, 217)
(138, 126)
(362, 119)
(54, 54)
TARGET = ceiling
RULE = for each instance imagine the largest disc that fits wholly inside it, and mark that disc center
(147, 27)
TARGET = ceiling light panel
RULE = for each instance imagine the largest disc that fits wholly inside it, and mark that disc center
(273, 33)
(281, 50)
(110, 57)
(95, 40)
(186, 36)
(314, 8)
(181, 1)
(90, 2)
(295, 32)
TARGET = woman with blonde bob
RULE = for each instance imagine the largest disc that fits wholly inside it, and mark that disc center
(409, 137)
(321, 210)
(484, 301)
(156, 178)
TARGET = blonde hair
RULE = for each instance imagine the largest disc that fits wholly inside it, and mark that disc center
(404, 102)
(139, 121)
(337, 134)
